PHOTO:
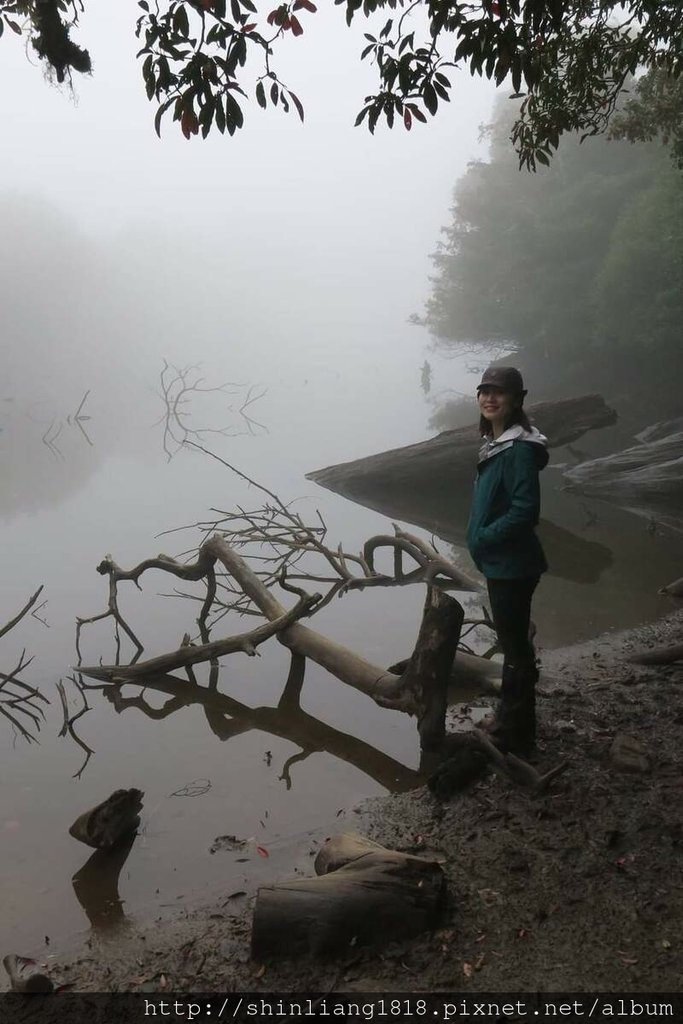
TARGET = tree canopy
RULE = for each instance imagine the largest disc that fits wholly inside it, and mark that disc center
(567, 62)
(579, 271)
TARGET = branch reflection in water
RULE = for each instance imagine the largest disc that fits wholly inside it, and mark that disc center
(227, 717)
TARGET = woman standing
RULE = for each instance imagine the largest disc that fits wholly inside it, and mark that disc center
(504, 546)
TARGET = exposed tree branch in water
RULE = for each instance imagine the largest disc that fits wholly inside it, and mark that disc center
(18, 698)
(282, 539)
(188, 654)
(27, 607)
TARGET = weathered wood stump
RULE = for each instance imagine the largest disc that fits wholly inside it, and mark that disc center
(112, 820)
(364, 895)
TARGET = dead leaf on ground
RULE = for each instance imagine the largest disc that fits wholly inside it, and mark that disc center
(479, 962)
(261, 971)
(467, 969)
(489, 896)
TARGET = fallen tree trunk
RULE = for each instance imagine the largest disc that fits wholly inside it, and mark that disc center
(364, 895)
(658, 655)
(645, 479)
(430, 484)
(372, 680)
(451, 456)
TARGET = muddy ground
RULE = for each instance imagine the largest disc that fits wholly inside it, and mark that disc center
(575, 890)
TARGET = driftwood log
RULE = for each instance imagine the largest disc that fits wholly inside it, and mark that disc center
(25, 975)
(363, 894)
(673, 589)
(646, 478)
(452, 455)
(384, 686)
(110, 821)
(430, 483)
(658, 655)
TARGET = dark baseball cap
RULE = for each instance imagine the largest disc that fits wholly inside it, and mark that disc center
(507, 378)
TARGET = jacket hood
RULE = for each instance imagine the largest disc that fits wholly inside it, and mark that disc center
(533, 436)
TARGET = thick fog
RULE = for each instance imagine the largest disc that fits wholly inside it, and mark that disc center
(288, 256)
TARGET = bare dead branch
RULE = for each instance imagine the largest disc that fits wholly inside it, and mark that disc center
(17, 697)
(70, 720)
(191, 655)
(24, 611)
(515, 768)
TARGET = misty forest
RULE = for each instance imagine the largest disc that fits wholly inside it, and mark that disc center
(255, 261)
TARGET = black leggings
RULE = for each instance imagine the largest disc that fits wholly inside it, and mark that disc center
(511, 612)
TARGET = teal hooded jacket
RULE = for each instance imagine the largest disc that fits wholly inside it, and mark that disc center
(505, 508)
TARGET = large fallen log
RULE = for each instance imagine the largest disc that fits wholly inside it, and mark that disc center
(364, 895)
(430, 483)
(658, 655)
(373, 680)
(646, 478)
(450, 457)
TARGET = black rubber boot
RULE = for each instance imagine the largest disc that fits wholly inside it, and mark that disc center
(514, 730)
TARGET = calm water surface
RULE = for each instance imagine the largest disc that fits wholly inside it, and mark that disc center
(211, 768)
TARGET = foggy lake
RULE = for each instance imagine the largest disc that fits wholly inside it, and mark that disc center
(111, 488)
(278, 271)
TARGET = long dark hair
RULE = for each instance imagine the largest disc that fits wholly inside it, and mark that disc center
(516, 416)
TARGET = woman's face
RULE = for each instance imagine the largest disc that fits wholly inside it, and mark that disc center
(496, 405)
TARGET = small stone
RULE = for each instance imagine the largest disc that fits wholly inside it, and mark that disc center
(628, 754)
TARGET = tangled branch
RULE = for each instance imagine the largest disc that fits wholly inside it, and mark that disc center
(20, 701)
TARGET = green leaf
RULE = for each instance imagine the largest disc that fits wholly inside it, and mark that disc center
(181, 23)
(298, 104)
(429, 96)
(159, 114)
(372, 118)
(219, 114)
(233, 111)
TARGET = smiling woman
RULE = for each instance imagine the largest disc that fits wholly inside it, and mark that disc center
(503, 543)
